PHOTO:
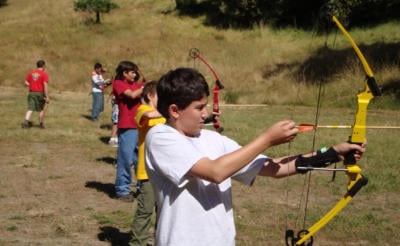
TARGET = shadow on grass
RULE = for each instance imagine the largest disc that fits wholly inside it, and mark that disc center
(102, 126)
(108, 160)
(392, 87)
(327, 62)
(106, 126)
(108, 189)
(88, 117)
(114, 236)
(104, 139)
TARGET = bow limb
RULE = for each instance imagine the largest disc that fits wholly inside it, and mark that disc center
(216, 111)
(358, 136)
(356, 182)
(195, 54)
(363, 98)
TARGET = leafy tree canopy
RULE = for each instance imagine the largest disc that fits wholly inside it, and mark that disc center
(297, 13)
(3, 3)
(95, 6)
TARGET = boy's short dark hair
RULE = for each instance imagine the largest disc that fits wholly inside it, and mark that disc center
(97, 65)
(149, 87)
(181, 86)
(40, 63)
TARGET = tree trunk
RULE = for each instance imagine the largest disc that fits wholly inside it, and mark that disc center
(98, 17)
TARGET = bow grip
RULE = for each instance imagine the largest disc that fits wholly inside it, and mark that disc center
(349, 158)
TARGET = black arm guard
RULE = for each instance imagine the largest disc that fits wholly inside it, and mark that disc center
(319, 160)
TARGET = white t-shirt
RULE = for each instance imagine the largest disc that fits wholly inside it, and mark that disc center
(97, 82)
(192, 211)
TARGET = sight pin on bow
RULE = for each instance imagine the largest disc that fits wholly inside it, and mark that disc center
(195, 54)
(352, 169)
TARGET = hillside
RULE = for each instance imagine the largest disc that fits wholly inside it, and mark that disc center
(251, 63)
(57, 184)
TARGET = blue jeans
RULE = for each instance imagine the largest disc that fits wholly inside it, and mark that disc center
(97, 105)
(127, 155)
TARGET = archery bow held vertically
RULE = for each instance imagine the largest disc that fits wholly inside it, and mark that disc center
(195, 54)
(358, 136)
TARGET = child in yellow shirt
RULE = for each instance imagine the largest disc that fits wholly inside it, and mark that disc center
(146, 117)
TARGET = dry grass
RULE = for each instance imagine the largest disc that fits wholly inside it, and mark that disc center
(251, 63)
(52, 191)
(56, 185)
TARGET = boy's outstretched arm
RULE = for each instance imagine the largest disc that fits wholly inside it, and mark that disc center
(225, 166)
(285, 166)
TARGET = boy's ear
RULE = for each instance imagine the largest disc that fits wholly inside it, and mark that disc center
(149, 96)
(173, 111)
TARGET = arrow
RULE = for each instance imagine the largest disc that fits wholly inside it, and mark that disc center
(304, 127)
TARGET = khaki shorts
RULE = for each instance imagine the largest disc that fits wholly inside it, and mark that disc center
(36, 101)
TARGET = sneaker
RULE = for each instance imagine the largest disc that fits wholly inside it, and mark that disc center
(41, 125)
(113, 143)
(127, 198)
(26, 124)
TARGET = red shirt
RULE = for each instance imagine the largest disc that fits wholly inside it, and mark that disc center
(126, 105)
(36, 79)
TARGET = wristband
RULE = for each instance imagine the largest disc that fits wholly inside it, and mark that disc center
(322, 150)
(323, 158)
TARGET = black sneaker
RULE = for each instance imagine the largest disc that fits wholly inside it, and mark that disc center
(41, 125)
(26, 124)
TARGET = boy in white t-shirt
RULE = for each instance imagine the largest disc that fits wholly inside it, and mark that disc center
(191, 168)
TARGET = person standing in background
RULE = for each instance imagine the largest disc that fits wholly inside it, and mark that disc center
(127, 91)
(98, 85)
(37, 80)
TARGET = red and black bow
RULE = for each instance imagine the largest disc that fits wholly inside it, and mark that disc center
(195, 54)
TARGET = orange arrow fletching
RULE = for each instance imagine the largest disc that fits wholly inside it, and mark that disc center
(306, 127)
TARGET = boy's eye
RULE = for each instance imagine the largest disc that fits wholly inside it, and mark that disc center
(201, 107)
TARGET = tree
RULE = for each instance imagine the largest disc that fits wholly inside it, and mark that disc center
(298, 13)
(3, 3)
(95, 6)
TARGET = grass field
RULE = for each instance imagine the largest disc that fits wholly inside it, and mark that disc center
(56, 184)
(250, 63)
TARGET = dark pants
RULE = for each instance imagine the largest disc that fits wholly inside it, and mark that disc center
(144, 211)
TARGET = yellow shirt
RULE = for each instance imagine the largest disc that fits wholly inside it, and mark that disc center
(143, 127)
